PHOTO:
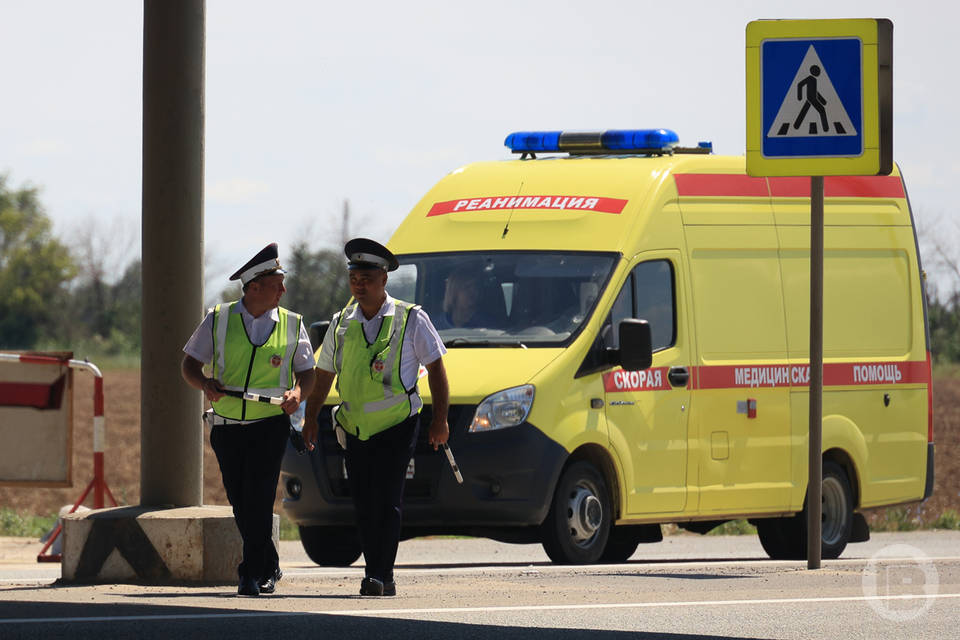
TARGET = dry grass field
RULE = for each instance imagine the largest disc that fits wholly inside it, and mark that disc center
(122, 456)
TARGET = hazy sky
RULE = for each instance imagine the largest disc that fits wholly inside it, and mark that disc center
(311, 103)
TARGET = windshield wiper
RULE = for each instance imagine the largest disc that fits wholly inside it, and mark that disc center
(470, 342)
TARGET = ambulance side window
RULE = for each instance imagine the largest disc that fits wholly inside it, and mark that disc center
(654, 301)
(648, 295)
(622, 308)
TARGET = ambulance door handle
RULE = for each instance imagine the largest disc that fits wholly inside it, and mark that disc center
(678, 376)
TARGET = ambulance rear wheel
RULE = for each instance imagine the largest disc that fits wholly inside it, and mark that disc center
(578, 524)
(786, 538)
(331, 546)
(837, 511)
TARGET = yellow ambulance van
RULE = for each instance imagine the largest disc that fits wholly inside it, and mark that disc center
(578, 426)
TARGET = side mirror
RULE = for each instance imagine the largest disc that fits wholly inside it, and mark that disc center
(636, 345)
(317, 331)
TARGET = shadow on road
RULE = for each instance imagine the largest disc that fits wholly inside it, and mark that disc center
(52, 621)
(547, 563)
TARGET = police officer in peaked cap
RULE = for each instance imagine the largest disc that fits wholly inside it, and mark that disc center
(374, 347)
(254, 346)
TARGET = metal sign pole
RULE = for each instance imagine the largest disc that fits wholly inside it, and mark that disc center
(815, 479)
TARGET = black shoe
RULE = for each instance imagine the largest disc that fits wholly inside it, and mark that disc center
(269, 584)
(371, 587)
(390, 588)
(248, 587)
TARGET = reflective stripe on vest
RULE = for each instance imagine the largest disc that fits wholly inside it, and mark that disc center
(368, 374)
(240, 365)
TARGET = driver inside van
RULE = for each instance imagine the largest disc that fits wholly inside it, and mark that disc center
(462, 302)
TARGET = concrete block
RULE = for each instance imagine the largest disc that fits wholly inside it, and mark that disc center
(154, 546)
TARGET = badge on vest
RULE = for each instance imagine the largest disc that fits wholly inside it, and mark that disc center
(377, 366)
(276, 361)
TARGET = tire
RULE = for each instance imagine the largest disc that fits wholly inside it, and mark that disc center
(331, 546)
(786, 538)
(578, 524)
(783, 538)
(837, 519)
(621, 544)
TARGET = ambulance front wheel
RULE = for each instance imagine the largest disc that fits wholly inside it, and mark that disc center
(331, 546)
(578, 524)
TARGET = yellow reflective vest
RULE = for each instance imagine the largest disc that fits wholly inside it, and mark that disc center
(240, 365)
(373, 397)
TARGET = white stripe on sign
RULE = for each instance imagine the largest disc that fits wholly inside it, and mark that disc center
(441, 610)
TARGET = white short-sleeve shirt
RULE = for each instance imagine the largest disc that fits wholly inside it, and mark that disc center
(421, 344)
(200, 344)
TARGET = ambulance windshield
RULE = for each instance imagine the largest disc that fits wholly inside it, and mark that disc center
(505, 298)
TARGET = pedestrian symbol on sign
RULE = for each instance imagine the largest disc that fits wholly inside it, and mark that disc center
(811, 107)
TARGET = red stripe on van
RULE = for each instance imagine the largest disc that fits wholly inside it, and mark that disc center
(732, 184)
(835, 374)
(840, 187)
(771, 376)
(529, 203)
(654, 379)
(721, 184)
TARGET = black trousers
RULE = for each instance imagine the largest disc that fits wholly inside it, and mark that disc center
(377, 469)
(249, 456)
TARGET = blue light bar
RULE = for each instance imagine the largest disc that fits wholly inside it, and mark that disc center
(616, 140)
(533, 141)
(662, 139)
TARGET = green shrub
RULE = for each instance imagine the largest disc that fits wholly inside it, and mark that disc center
(895, 519)
(288, 530)
(734, 528)
(27, 526)
(949, 519)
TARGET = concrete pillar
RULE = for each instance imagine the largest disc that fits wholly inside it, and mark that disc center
(171, 439)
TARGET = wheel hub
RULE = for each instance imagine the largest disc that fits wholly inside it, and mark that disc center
(585, 513)
(833, 511)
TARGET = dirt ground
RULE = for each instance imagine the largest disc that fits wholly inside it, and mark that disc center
(122, 455)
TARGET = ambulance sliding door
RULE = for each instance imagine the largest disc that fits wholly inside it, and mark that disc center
(740, 418)
(647, 410)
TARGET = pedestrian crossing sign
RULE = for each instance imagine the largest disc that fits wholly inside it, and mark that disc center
(819, 97)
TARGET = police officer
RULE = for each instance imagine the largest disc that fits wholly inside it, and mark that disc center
(254, 346)
(375, 347)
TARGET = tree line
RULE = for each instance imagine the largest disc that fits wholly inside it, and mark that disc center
(55, 294)
(62, 293)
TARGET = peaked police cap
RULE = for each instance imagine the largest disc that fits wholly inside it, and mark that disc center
(264, 263)
(369, 254)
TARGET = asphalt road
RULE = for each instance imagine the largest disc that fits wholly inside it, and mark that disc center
(895, 586)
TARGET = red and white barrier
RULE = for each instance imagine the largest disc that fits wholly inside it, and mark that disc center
(98, 485)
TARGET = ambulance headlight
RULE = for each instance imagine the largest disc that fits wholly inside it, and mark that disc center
(506, 408)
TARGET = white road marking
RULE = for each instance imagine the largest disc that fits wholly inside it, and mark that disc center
(441, 610)
(634, 605)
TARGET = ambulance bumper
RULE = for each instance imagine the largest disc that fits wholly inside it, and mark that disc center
(508, 480)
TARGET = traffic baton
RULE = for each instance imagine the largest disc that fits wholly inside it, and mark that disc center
(453, 463)
(253, 397)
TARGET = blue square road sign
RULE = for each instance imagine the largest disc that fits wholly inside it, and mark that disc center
(812, 97)
(819, 97)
